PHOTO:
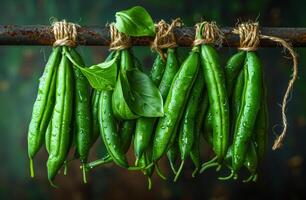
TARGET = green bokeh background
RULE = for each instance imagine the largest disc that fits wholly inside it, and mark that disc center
(282, 174)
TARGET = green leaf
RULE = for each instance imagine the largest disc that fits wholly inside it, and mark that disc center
(101, 76)
(135, 21)
(120, 108)
(143, 98)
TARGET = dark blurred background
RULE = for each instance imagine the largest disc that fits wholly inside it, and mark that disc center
(281, 175)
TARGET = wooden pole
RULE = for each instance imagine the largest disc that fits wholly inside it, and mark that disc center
(99, 36)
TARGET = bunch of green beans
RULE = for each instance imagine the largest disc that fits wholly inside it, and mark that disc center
(246, 90)
(226, 105)
(62, 115)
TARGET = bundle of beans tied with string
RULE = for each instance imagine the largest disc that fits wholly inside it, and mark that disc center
(163, 71)
(130, 108)
(177, 132)
(129, 120)
(247, 94)
(117, 134)
(216, 116)
(61, 114)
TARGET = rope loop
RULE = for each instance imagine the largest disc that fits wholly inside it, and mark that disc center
(118, 40)
(165, 37)
(249, 36)
(65, 33)
(208, 33)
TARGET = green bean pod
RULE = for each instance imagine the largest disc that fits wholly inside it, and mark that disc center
(172, 67)
(43, 106)
(188, 125)
(95, 97)
(158, 69)
(174, 104)
(82, 110)
(195, 151)
(207, 128)
(187, 129)
(143, 135)
(61, 119)
(261, 126)
(237, 96)
(173, 152)
(251, 162)
(250, 104)
(218, 101)
(235, 80)
(232, 69)
(236, 103)
(108, 130)
(126, 131)
(48, 136)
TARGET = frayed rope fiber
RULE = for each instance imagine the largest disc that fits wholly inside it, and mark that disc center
(164, 37)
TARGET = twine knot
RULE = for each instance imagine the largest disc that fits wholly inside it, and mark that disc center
(249, 36)
(65, 33)
(208, 33)
(118, 40)
(165, 37)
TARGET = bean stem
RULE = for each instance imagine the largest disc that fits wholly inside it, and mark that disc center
(173, 168)
(195, 171)
(65, 167)
(149, 183)
(227, 177)
(84, 173)
(179, 170)
(98, 162)
(207, 166)
(32, 173)
(140, 168)
(159, 173)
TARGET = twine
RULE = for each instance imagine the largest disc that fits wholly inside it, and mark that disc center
(249, 36)
(118, 40)
(249, 39)
(165, 37)
(65, 33)
(208, 33)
